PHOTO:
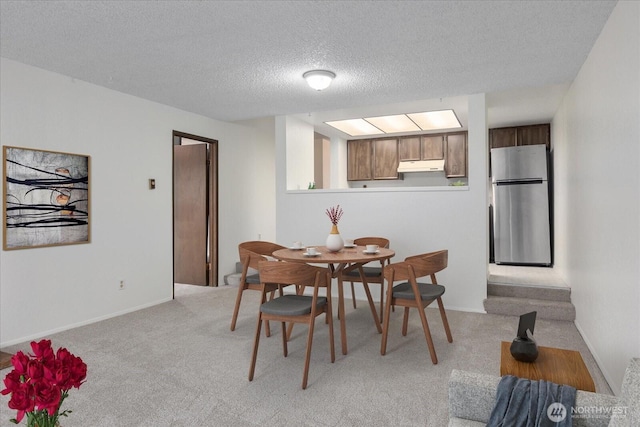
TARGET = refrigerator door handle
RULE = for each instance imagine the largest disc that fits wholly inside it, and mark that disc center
(521, 181)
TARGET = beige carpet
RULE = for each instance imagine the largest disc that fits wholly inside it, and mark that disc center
(177, 364)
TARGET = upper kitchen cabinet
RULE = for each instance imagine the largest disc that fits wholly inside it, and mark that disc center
(359, 160)
(432, 147)
(409, 148)
(502, 137)
(535, 134)
(520, 135)
(385, 158)
(372, 159)
(455, 164)
(425, 147)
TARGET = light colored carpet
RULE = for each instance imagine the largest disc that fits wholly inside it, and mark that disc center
(178, 364)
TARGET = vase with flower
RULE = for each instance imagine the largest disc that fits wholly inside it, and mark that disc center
(334, 240)
(40, 382)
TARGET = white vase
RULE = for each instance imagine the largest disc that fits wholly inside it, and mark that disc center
(334, 241)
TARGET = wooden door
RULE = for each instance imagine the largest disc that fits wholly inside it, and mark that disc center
(190, 214)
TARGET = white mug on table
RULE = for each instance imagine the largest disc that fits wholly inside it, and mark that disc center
(372, 248)
(311, 250)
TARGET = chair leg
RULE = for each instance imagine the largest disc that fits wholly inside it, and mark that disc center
(236, 309)
(385, 327)
(405, 321)
(381, 300)
(285, 350)
(445, 322)
(353, 295)
(256, 342)
(307, 358)
(427, 335)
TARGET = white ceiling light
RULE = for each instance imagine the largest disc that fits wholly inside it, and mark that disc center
(355, 127)
(435, 120)
(399, 123)
(393, 124)
(319, 79)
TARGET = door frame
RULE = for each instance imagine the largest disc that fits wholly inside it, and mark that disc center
(212, 186)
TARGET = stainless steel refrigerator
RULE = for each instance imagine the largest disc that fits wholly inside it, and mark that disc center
(520, 187)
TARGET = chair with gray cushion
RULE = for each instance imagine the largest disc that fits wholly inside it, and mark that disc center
(251, 253)
(411, 294)
(294, 308)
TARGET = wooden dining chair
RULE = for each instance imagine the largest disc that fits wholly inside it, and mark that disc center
(410, 293)
(372, 273)
(251, 253)
(294, 308)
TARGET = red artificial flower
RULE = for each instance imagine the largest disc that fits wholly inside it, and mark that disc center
(47, 396)
(39, 382)
(42, 351)
(22, 400)
(20, 362)
(12, 382)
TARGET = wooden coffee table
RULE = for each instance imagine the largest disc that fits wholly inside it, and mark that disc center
(553, 364)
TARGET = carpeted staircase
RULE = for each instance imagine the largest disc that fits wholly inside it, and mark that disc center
(509, 294)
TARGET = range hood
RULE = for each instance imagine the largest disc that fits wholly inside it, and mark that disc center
(421, 166)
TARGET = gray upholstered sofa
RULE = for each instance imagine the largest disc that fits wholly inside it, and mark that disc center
(472, 397)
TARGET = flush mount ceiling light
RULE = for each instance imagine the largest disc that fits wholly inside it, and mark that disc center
(319, 79)
(411, 122)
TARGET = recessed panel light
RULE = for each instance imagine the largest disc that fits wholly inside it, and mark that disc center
(435, 120)
(355, 127)
(393, 124)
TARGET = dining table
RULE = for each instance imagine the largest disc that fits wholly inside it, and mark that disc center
(338, 263)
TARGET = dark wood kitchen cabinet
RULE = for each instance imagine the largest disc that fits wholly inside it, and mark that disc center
(372, 159)
(455, 165)
(432, 147)
(409, 148)
(535, 134)
(502, 137)
(359, 160)
(385, 158)
(425, 147)
(520, 135)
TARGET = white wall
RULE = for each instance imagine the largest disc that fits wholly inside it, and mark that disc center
(415, 220)
(596, 136)
(129, 140)
(299, 154)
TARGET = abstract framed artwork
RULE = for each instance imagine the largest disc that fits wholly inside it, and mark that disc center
(46, 199)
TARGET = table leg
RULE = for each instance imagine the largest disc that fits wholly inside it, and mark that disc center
(372, 306)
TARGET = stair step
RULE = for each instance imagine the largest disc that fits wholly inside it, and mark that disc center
(510, 306)
(548, 293)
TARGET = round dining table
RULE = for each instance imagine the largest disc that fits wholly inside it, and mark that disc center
(343, 261)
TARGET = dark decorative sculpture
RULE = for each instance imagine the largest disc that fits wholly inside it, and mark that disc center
(524, 348)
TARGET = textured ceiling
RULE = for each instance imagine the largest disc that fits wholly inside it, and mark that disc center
(236, 60)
